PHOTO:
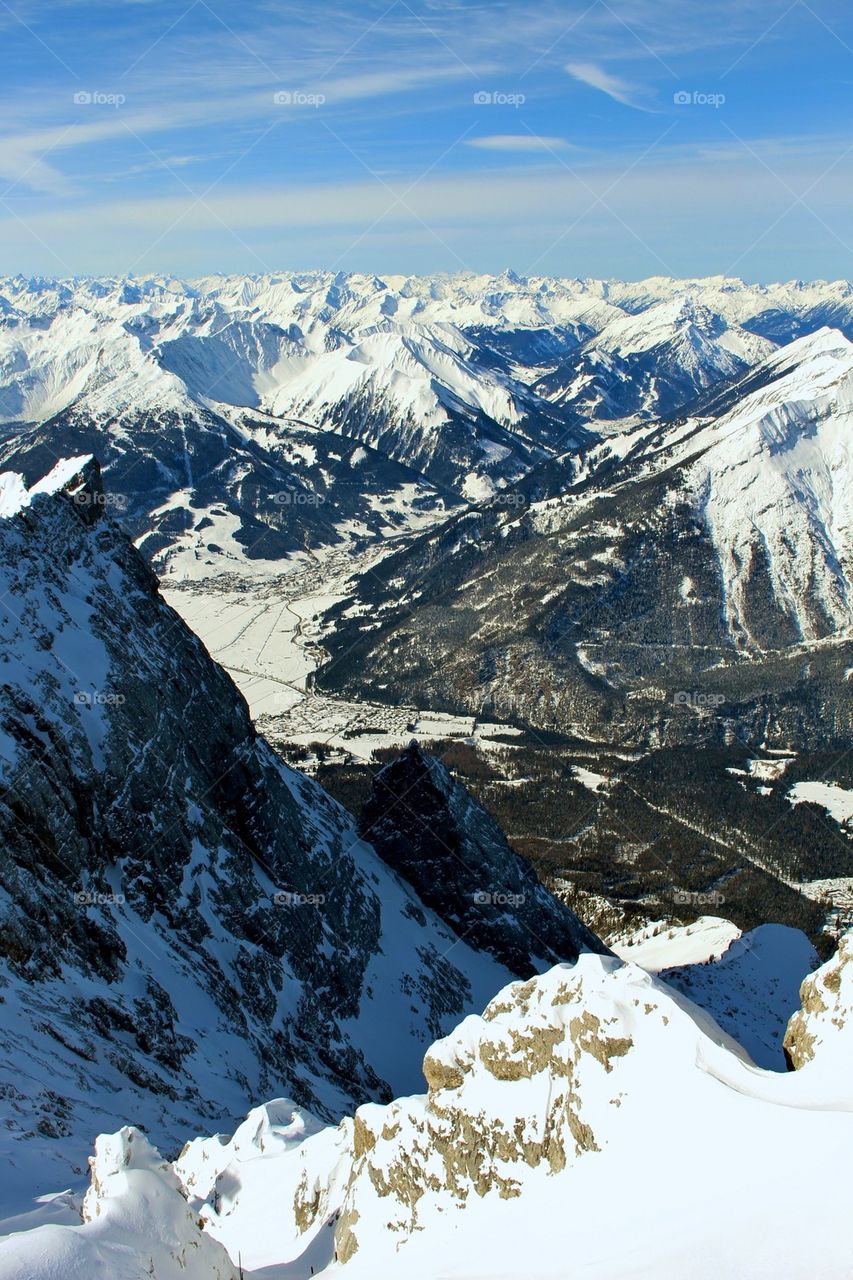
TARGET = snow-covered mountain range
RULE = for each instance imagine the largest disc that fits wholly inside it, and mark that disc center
(688, 581)
(653, 362)
(689, 552)
(221, 408)
(615, 511)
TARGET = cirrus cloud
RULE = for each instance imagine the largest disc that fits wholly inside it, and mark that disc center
(590, 73)
(517, 142)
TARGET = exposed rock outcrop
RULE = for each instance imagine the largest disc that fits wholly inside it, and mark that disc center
(822, 1031)
(430, 829)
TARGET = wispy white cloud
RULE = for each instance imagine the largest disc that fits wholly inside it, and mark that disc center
(30, 157)
(399, 83)
(30, 160)
(379, 84)
(590, 73)
(689, 178)
(518, 142)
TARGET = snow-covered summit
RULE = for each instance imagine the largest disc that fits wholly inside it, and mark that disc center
(653, 361)
(775, 479)
(243, 340)
(137, 1224)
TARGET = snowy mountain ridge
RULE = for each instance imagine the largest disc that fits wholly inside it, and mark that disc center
(537, 1114)
(774, 472)
(242, 340)
(612, 516)
(505, 301)
(714, 538)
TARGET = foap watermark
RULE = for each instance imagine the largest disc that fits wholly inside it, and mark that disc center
(288, 499)
(289, 898)
(94, 698)
(87, 498)
(99, 98)
(89, 898)
(498, 98)
(509, 500)
(695, 698)
(690, 898)
(298, 98)
(697, 98)
(485, 897)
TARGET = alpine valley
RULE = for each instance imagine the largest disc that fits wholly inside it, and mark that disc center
(426, 778)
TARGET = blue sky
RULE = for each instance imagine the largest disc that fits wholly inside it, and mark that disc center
(627, 138)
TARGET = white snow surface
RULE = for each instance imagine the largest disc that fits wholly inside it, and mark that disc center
(753, 989)
(773, 480)
(680, 320)
(136, 1224)
(424, 373)
(660, 945)
(239, 1185)
(647, 1075)
(838, 801)
(749, 983)
(15, 496)
(296, 343)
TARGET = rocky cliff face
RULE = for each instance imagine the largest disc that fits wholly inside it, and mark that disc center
(428, 828)
(187, 924)
(554, 1045)
(821, 1032)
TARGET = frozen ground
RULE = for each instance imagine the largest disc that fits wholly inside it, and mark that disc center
(836, 800)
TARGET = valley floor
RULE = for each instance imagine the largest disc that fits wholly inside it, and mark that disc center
(266, 631)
